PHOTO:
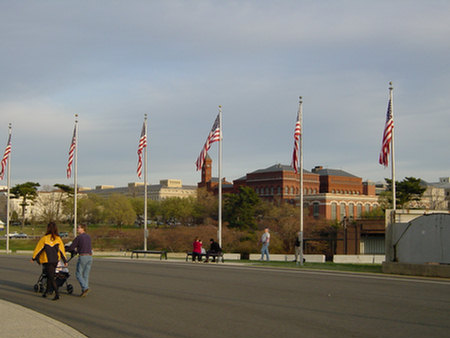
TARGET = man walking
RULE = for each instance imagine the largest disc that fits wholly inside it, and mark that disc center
(82, 245)
(265, 240)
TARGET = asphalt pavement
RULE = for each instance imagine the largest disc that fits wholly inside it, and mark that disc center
(169, 299)
(18, 321)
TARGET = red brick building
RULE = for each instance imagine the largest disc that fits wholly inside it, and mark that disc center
(212, 183)
(328, 193)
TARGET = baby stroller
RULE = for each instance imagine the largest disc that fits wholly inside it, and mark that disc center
(61, 276)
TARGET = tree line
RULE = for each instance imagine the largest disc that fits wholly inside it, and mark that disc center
(243, 211)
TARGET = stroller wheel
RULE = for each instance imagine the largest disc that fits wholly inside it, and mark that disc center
(69, 289)
(36, 288)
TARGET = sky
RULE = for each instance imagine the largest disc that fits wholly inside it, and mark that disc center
(111, 62)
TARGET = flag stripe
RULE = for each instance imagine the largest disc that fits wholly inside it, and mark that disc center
(73, 145)
(387, 136)
(297, 134)
(214, 136)
(140, 151)
(5, 158)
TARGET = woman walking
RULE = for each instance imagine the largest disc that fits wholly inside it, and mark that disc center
(48, 251)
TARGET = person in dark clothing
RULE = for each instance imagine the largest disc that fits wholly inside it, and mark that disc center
(48, 251)
(214, 248)
(82, 245)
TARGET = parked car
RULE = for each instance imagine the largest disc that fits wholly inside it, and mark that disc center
(63, 234)
(16, 234)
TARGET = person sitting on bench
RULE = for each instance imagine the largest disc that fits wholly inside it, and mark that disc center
(214, 249)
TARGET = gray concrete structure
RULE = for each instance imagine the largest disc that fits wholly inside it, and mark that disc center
(422, 240)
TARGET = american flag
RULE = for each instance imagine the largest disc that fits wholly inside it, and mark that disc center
(141, 147)
(297, 134)
(73, 145)
(387, 136)
(5, 157)
(214, 136)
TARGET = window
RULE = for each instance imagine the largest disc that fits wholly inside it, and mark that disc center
(271, 191)
(279, 190)
(359, 210)
(367, 207)
(316, 211)
(287, 190)
(333, 210)
(342, 210)
(351, 208)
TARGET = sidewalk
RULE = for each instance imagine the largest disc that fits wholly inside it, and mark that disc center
(18, 321)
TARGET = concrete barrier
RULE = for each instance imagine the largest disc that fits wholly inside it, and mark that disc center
(314, 258)
(4, 251)
(25, 252)
(290, 258)
(427, 270)
(359, 259)
(231, 256)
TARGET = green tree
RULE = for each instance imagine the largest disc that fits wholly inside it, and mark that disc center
(206, 207)
(240, 210)
(138, 206)
(283, 220)
(65, 191)
(374, 213)
(27, 192)
(90, 208)
(119, 210)
(408, 190)
(177, 209)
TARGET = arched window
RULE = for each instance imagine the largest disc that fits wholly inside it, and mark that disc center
(279, 190)
(351, 211)
(359, 210)
(333, 210)
(287, 190)
(342, 211)
(367, 207)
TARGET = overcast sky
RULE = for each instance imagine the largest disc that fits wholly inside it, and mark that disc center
(111, 62)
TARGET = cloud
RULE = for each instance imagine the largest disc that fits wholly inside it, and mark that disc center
(112, 62)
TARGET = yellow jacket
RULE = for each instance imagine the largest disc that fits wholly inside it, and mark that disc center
(49, 250)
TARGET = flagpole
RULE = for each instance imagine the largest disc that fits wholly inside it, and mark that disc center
(8, 180)
(75, 179)
(301, 180)
(145, 186)
(394, 197)
(220, 178)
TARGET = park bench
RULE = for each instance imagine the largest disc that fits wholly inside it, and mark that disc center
(160, 253)
(216, 256)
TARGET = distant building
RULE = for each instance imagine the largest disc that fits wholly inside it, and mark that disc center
(165, 189)
(435, 197)
(328, 193)
(46, 203)
(212, 183)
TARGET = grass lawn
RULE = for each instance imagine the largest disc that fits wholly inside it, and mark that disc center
(373, 268)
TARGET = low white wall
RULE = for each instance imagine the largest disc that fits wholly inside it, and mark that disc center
(359, 259)
(232, 256)
(290, 258)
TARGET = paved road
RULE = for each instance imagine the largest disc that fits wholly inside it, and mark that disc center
(143, 298)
